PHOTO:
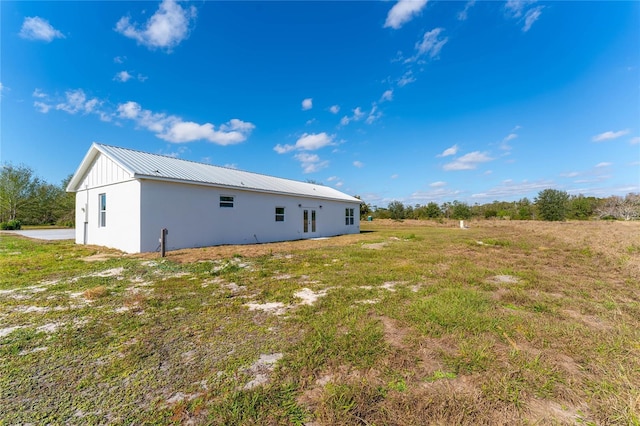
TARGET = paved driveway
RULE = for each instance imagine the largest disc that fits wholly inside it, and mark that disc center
(47, 234)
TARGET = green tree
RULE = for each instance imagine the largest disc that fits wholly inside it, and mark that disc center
(432, 210)
(581, 207)
(396, 210)
(18, 186)
(460, 210)
(552, 204)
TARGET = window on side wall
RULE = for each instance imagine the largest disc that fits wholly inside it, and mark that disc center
(348, 217)
(226, 201)
(279, 214)
(102, 208)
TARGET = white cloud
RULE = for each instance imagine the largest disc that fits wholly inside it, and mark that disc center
(119, 59)
(504, 145)
(230, 133)
(430, 44)
(166, 29)
(374, 114)
(358, 114)
(36, 28)
(531, 17)
(358, 164)
(424, 197)
(508, 188)
(310, 162)
(407, 78)
(334, 109)
(607, 136)
(173, 129)
(438, 184)
(76, 101)
(307, 104)
(604, 164)
(387, 96)
(402, 12)
(635, 140)
(307, 142)
(516, 8)
(395, 176)
(468, 161)
(462, 16)
(332, 178)
(37, 93)
(449, 151)
(123, 76)
(42, 107)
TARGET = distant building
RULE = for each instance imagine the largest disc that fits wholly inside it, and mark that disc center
(124, 198)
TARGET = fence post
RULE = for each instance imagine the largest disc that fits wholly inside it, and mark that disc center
(163, 241)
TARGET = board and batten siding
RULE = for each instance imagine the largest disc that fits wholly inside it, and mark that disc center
(194, 218)
(104, 171)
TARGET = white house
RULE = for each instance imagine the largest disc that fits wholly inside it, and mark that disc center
(124, 198)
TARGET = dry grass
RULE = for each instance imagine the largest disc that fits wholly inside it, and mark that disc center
(95, 292)
(502, 323)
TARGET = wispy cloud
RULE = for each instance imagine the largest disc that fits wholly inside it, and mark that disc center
(374, 114)
(531, 17)
(36, 28)
(387, 96)
(438, 184)
(167, 127)
(468, 161)
(311, 163)
(635, 140)
(307, 104)
(462, 15)
(449, 151)
(504, 144)
(523, 12)
(307, 142)
(358, 164)
(123, 76)
(406, 78)
(166, 29)
(357, 115)
(402, 12)
(431, 44)
(610, 135)
(603, 165)
(508, 188)
(334, 109)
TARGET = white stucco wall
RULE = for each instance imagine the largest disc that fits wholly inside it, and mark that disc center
(194, 218)
(122, 230)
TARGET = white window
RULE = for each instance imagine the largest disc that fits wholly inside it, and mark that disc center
(102, 208)
(279, 214)
(226, 201)
(348, 217)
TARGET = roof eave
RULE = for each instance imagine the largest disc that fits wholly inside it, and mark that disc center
(241, 188)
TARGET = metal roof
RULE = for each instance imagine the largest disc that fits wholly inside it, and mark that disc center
(144, 165)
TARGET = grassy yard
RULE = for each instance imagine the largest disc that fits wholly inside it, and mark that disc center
(406, 323)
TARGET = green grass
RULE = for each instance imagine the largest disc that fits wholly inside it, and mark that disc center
(418, 329)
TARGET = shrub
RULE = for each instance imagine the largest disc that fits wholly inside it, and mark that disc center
(11, 225)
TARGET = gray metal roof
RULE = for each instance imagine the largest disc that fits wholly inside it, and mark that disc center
(143, 165)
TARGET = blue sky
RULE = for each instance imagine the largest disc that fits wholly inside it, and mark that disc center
(415, 101)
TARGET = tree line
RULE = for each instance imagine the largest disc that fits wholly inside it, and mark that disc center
(26, 199)
(549, 204)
